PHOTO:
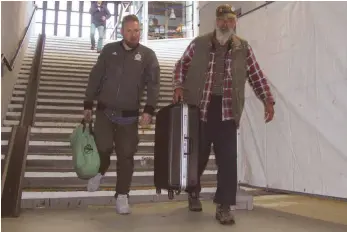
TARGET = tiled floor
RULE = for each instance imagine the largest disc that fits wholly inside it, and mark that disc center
(271, 214)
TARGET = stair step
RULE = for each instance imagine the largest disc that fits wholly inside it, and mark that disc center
(55, 73)
(67, 166)
(80, 47)
(52, 49)
(62, 166)
(66, 137)
(54, 124)
(45, 143)
(54, 150)
(86, 44)
(76, 80)
(54, 179)
(82, 188)
(37, 149)
(80, 96)
(77, 47)
(164, 68)
(50, 69)
(83, 199)
(64, 163)
(164, 82)
(87, 40)
(63, 56)
(85, 64)
(71, 90)
(144, 157)
(57, 117)
(36, 146)
(73, 104)
(63, 131)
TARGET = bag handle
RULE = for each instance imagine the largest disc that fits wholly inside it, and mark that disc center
(83, 122)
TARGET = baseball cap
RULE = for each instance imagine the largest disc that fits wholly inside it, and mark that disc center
(225, 11)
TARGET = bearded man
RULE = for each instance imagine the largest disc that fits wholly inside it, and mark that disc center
(117, 82)
(212, 74)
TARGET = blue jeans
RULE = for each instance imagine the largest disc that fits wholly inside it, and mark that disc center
(101, 31)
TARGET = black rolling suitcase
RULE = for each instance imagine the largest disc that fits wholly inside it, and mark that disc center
(176, 148)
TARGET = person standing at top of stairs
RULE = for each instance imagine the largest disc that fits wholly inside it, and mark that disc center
(117, 81)
(212, 74)
(99, 14)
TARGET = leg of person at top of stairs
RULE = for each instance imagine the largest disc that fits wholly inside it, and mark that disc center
(101, 32)
(92, 36)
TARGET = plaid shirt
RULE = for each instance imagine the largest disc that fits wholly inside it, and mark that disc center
(256, 79)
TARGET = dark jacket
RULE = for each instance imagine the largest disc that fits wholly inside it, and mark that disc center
(97, 14)
(118, 78)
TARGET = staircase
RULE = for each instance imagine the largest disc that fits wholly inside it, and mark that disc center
(49, 180)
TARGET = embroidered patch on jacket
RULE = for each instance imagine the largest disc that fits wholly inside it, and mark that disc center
(138, 57)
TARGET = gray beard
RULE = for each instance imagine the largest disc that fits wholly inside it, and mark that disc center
(223, 36)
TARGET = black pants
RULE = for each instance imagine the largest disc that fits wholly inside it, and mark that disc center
(223, 136)
(125, 140)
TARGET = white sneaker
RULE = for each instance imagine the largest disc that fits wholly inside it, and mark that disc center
(94, 183)
(122, 204)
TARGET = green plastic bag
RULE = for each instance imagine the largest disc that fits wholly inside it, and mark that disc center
(85, 155)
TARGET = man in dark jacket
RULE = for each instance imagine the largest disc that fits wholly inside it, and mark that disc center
(212, 74)
(99, 14)
(117, 82)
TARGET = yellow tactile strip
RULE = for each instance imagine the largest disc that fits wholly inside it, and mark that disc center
(322, 209)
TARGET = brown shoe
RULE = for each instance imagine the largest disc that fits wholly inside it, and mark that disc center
(194, 202)
(224, 215)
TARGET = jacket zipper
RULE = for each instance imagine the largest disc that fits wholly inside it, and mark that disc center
(121, 77)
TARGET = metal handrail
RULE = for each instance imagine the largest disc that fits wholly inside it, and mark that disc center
(257, 8)
(10, 64)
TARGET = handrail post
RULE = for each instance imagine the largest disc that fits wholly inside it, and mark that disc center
(12, 179)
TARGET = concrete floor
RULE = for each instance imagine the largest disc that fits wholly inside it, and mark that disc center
(268, 216)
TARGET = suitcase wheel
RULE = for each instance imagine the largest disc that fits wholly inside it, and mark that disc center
(177, 192)
(158, 190)
(170, 194)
